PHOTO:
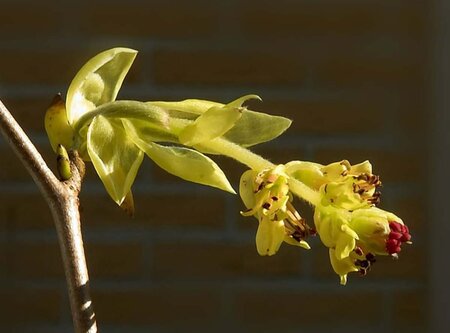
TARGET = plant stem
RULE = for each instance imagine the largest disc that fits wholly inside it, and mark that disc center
(240, 154)
(62, 198)
(256, 162)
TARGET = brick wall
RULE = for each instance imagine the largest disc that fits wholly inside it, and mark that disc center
(352, 76)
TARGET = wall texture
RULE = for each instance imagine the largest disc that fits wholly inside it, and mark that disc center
(352, 74)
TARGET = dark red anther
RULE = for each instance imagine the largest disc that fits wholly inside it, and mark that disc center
(395, 226)
(358, 251)
(399, 234)
(370, 257)
(395, 235)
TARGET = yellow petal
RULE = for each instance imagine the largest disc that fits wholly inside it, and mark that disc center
(344, 245)
(269, 236)
(342, 267)
(246, 190)
(292, 241)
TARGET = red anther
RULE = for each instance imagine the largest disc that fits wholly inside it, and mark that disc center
(405, 238)
(399, 234)
(358, 251)
(395, 235)
(393, 246)
(395, 226)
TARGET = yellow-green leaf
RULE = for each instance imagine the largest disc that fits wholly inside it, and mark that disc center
(98, 81)
(115, 157)
(256, 127)
(190, 106)
(185, 163)
(148, 132)
(213, 123)
(250, 129)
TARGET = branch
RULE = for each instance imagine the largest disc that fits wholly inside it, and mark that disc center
(62, 198)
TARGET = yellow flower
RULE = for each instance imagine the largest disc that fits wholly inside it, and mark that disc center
(355, 237)
(342, 184)
(266, 195)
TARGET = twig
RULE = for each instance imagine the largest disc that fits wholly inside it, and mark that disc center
(62, 198)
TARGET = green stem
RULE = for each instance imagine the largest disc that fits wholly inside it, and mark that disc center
(247, 157)
(304, 191)
(256, 162)
(240, 154)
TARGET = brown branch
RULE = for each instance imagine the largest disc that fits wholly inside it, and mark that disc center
(62, 198)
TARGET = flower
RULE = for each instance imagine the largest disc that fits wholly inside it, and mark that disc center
(266, 195)
(347, 220)
(342, 184)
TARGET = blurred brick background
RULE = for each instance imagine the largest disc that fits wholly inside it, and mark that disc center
(352, 74)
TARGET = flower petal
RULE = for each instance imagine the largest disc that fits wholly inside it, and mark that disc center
(246, 190)
(344, 245)
(342, 267)
(269, 236)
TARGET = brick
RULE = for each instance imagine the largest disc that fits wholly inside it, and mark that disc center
(155, 210)
(411, 266)
(328, 116)
(218, 261)
(307, 308)
(413, 213)
(29, 112)
(35, 260)
(43, 260)
(46, 66)
(26, 305)
(24, 211)
(11, 169)
(369, 72)
(410, 311)
(30, 19)
(390, 165)
(281, 19)
(116, 261)
(38, 67)
(157, 307)
(411, 115)
(227, 67)
(156, 19)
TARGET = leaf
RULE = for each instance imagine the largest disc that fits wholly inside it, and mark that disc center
(191, 106)
(148, 132)
(98, 81)
(250, 129)
(185, 163)
(256, 127)
(115, 157)
(215, 122)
